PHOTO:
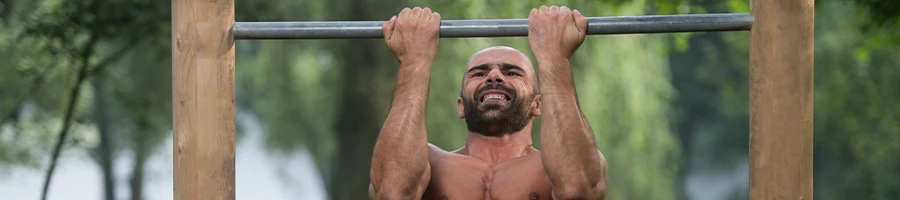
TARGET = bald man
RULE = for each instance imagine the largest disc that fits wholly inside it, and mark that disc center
(499, 99)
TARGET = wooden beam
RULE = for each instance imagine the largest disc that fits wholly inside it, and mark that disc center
(781, 99)
(203, 99)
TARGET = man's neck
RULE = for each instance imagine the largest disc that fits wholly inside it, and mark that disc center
(492, 149)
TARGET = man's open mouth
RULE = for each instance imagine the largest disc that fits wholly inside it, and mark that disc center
(494, 96)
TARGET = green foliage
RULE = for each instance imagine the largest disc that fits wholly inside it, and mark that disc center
(292, 85)
(146, 101)
(879, 19)
(295, 93)
(40, 59)
(624, 90)
(881, 11)
(855, 114)
(50, 41)
(856, 110)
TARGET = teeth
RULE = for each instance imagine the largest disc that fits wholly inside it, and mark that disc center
(494, 96)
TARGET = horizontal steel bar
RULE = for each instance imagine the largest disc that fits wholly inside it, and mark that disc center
(496, 27)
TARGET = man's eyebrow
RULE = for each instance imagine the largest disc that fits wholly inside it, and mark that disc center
(479, 67)
(507, 66)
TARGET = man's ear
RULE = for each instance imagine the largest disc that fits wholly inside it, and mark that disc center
(536, 106)
(460, 109)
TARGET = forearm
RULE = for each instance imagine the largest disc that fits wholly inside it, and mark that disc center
(569, 151)
(401, 153)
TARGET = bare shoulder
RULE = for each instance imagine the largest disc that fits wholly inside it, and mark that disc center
(435, 151)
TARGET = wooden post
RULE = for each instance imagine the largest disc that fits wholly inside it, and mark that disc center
(781, 99)
(203, 99)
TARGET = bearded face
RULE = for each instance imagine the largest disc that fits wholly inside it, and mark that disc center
(499, 92)
(496, 110)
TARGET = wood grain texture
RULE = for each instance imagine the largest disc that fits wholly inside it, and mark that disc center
(781, 99)
(203, 99)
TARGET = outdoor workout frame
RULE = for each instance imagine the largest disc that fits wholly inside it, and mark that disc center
(781, 83)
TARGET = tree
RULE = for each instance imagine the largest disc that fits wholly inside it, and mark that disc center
(881, 19)
(856, 110)
(76, 33)
(78, 30)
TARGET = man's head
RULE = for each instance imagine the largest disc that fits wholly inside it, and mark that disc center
(499, 92)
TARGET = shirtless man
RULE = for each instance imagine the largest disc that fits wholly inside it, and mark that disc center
(499, 99)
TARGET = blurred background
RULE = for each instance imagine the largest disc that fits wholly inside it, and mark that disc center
(92, 79)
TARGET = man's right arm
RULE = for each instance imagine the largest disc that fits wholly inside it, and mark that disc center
(400, 168)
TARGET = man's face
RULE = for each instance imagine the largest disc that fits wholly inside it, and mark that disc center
(498, 94)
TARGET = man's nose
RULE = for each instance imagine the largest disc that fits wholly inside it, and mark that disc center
(495, 77)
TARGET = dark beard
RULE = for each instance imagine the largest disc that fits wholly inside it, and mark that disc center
(511, 119)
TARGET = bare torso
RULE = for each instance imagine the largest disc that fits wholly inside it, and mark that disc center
(459, 176)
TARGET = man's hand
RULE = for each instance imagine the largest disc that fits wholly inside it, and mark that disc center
(413, 35)
(555, 32)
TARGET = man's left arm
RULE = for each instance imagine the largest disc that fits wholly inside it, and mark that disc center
(577, 170)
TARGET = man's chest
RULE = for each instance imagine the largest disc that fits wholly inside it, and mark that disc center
(518, 180)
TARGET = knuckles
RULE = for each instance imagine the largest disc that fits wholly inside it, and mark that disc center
(416, 22)
(553, 13)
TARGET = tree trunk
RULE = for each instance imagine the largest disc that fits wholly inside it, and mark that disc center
(141, 152)
(358, 123)
(359, 117)
(106, 143)
(137, 178)
(69, 113)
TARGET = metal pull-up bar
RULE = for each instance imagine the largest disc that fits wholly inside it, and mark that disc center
(496, 27)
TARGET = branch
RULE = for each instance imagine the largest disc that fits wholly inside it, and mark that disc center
(70, 110)
(38, 82)
(100, 66)
(30, 92)
(83, 74)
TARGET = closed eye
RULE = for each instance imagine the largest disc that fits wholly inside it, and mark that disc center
(512, 74)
